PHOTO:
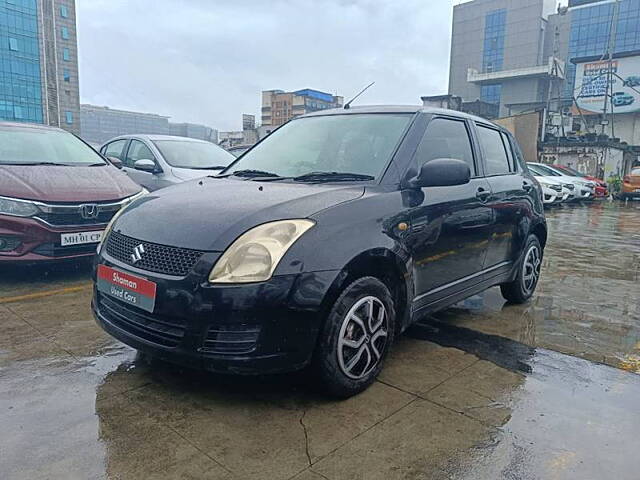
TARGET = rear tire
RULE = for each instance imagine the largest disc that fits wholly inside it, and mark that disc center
(522, 288)
(355, 338)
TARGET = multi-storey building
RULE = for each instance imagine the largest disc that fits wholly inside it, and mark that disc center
(499, 54)
(194, 130)
(279, 107)
(39, 63)
(100, 124)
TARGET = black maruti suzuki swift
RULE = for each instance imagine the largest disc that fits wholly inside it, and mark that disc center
(323, 243)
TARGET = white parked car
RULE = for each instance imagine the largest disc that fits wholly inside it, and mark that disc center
(157, 161)
(552, 192)
(582, 189)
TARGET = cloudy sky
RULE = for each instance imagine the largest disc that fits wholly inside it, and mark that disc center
(206, 61)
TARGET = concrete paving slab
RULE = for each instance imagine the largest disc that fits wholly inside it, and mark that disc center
(418, 366)
(417, 442)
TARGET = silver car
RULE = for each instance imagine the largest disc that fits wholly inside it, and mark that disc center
(157, 161)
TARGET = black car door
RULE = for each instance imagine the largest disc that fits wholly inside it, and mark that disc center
(448, 226)
(509, 200)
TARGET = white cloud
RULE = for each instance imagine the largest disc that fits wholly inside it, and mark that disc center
(207, 61)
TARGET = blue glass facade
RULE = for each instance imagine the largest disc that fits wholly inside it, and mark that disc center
(494, 30)
(20, 79)
(491, 93)
(591, 29)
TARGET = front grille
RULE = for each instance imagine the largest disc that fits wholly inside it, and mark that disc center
(165, 331)
(54, 250)
(156, 258)
(75, 219)
(231, 339)
(557, 188)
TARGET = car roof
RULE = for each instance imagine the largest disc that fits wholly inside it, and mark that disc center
(150, 137)
(29, 126)
(398, 109)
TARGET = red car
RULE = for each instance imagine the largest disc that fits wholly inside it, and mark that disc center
(601, 186)
(56, 194)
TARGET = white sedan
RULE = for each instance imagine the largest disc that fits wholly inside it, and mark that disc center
(582, 189)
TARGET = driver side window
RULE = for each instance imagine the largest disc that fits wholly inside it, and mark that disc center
(446, 138)
(138, 151)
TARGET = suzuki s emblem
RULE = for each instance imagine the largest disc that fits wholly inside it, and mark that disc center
(89, 211)
(136, 256)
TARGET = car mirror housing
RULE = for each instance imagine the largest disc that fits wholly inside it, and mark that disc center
(442, 172)
(146, 165)
(115, 161)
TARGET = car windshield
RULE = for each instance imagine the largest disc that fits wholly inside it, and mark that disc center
(194, 155)
(39, 146)
(543, 171)
(356, 143)
(569, 171)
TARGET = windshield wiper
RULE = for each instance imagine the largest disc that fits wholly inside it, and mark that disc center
(333, 177)
(253, 174)
(212, 167)
(31, 164)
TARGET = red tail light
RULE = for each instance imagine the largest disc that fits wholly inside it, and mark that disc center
(626, 179)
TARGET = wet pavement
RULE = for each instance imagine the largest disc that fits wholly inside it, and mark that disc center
(482, 390)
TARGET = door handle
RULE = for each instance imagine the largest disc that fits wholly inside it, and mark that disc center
(482, 194)
(526, 186)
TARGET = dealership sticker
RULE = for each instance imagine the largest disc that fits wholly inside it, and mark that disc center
(128, 288)
(80, 238)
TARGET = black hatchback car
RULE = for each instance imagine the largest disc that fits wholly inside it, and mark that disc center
(323, 243)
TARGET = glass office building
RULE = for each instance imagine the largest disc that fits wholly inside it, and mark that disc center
(38, 63)
(591, 26)
(20, 78)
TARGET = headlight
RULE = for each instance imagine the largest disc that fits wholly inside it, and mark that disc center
(17, 208)
(254, 255)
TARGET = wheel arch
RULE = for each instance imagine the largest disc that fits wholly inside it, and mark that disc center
(386, 266)
(540, 231)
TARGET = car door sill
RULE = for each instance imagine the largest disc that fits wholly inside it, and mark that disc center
(481, 275)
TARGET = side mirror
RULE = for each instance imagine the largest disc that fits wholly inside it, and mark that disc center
(115, 161)
(442, 172)
(146, 165)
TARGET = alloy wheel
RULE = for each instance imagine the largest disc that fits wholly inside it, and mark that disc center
(531, 268)
(363, 337)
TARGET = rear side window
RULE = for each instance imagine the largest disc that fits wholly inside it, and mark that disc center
(446, 138)
(517, 154)
(495, 151)
(114, 149)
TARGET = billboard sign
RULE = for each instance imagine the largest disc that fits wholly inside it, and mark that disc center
(592, 79)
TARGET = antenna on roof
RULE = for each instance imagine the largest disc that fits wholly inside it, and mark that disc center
(348, 104)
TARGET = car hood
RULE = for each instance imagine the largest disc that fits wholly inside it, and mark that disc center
(208, 214)
(190, 174)
(49, 183)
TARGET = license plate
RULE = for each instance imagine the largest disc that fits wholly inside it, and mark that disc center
(80, 238)
(128, 288)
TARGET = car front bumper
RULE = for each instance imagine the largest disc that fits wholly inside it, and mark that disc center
(266, 327)
(28, 240)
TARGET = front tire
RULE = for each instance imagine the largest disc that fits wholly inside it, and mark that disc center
(355, 338)
(522, 288)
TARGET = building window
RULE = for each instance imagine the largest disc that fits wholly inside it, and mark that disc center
(494, 32)
(66, 55)
(13, 44)
(64, 11)
(66, 75)
(68, 118)
(65, 33)
(17, 113)
(491, 93)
